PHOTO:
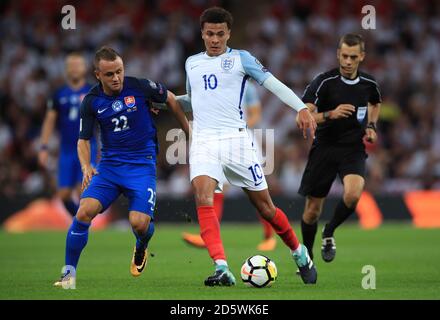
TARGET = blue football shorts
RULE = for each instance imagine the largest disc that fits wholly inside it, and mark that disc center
(69, 167)
(137, 182)
(69, 170)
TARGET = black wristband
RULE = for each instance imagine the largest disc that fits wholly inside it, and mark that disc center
(372, 125)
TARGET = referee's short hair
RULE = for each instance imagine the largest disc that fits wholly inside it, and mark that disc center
(216, 15)
(105, 53)
(352, 39)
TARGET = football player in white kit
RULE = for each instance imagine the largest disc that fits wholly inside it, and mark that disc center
(220, 144)
(252, 106)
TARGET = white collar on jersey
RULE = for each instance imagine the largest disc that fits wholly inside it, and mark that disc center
(349, 81)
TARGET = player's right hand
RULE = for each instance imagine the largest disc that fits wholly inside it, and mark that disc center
(305, 121)
(88, 173)
(43, 156)
(342, 111)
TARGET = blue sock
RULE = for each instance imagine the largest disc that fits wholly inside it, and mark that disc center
(77, 237)
(143, 239)
(71, 206)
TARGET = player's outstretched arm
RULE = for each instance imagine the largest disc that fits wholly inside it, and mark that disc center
(305, 120)
(343, 110)
(46, 132)
(184, 101)
(177, 110)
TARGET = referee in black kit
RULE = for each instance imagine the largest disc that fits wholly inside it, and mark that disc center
(346, 104)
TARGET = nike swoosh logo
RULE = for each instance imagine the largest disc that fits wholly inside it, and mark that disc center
(76, 234)
(101, 111)
(257, 184)
(140, 269)
(194, 67)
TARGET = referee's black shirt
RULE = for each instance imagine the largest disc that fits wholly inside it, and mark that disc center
(330, 89)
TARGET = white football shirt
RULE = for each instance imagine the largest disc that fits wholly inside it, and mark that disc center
(216, 87)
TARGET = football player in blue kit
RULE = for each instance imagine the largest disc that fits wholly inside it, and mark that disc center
(121, 106)
(63, 111)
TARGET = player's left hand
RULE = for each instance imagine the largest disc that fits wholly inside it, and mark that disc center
(370, 135)
(304, 121)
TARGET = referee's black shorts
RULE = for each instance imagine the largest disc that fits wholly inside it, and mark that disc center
(327, 161)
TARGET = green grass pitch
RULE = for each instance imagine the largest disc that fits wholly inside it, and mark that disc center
(406, 261)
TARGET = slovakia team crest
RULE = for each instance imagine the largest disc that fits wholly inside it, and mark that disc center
(117, 105)
(130, 101)
(227, 63)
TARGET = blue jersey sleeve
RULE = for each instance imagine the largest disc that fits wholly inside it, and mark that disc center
(53, 103)
(87, 119)
(154, 91)
(253, 67)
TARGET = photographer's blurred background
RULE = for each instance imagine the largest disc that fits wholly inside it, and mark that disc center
(295, 40)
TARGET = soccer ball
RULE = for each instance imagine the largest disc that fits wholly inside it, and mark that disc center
(258, 271)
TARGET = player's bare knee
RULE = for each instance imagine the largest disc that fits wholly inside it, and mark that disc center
(84, 215)
(87, 211)
(312, 212)
(140, 223)
(311, 215)
(351, 199)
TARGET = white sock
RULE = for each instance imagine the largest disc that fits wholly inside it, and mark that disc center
(220, 262)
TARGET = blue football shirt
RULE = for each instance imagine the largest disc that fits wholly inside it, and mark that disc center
(66, 102)
(128, 133)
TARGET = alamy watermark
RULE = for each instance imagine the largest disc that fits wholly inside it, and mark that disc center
(369, 280)
(68, 277)
(223, 148)
(69, 20)
(369, 18)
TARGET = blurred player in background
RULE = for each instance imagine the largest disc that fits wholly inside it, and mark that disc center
(221, 146)
(63, 109)
(345, 103)
(252, 105)
(121, 106)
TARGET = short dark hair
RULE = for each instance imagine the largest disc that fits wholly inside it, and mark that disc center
(216, 15)
(105, 53)
(352, 39)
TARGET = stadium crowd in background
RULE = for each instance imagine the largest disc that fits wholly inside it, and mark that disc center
(295, 40)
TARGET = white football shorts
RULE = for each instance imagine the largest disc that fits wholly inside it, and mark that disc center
(231, 155)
